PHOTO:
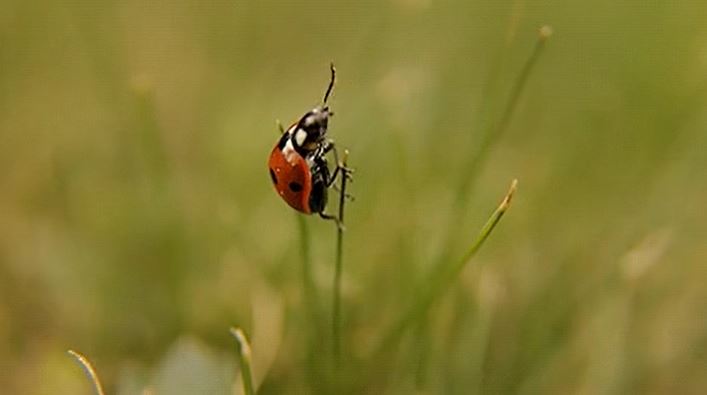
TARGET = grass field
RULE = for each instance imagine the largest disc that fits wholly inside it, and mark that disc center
(138, 223)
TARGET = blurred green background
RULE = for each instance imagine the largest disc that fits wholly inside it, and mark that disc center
(137, 220)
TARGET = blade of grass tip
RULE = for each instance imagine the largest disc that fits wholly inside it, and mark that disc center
(441, 280)
(244, 355)
(494, 131)
(497, 129)
(90, 371)
(336, 305)
(521, 81)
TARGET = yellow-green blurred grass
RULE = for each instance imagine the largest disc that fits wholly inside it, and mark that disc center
(135, 208)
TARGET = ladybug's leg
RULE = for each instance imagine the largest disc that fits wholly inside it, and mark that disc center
(329, 180)
(340, 168)
(328, 146)
(343, 169)
(279, 126)
(346, 195)
(334, 218)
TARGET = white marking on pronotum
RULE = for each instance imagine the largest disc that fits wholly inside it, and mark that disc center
(300, 136)
(311, 118)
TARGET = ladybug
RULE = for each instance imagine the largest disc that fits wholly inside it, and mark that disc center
(298, 166)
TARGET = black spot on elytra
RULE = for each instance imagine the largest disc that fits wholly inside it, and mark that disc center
(273, 177)
(295, 186)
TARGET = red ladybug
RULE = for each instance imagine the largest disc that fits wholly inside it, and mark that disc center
(298, 166)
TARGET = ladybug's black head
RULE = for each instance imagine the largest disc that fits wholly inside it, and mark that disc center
(309, 132)
(315, 123)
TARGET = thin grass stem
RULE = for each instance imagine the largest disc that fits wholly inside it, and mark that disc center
(308, 287)
(244, 354)
(497, 129)
(442, 279)
(521, 81)
(90, 371)
(492, 131)
(311, 307)
(336, 304)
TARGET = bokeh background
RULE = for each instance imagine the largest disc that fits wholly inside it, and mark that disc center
(137, 220)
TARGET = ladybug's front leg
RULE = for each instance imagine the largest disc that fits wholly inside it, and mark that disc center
(329, 180)
(340, 165)
(345, 171)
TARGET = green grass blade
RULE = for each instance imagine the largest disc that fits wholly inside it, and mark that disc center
(309, 289)
(443, 279)
(244, 355)
(336, 303)
(313, 321)
(90, 371)
(497, 129)
(491, 132)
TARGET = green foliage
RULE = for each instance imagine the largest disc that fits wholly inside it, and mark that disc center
(137, 223)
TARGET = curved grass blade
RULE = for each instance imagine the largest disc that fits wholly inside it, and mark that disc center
(90, 371)
(244, 355)
(491, 133)
(442, 279)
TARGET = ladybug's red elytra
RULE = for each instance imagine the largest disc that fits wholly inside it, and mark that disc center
(298, 165)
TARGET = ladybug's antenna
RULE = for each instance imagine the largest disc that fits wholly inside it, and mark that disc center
(331, 83)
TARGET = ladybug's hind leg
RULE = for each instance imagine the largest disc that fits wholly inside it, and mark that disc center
(334, 218)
